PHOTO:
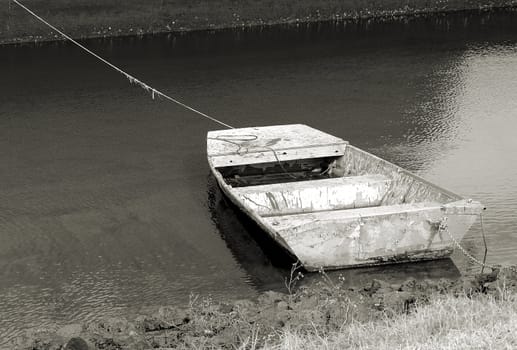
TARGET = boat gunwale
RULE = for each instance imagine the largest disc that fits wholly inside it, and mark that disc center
(270, 149)
(410, 173)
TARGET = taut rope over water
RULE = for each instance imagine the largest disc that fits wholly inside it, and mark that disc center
(131, 78)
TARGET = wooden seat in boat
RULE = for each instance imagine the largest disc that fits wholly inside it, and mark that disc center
(333, 216)
(316, 195)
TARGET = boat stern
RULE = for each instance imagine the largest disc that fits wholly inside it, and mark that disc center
(378, 235)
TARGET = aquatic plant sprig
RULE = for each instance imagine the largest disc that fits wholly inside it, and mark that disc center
(294, 276)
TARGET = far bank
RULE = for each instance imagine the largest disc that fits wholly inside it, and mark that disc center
(94, 18)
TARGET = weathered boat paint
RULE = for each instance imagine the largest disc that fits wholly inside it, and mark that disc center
(373, 213)
(269, 144)
(369, 236)
(308, 196)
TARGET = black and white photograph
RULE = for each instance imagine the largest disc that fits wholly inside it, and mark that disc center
(258, 175)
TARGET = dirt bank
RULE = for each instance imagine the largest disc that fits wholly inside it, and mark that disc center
(325, 306)
(96, 18)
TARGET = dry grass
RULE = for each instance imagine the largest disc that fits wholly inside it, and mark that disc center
(447, 322)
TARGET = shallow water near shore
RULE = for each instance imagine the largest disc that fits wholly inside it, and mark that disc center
(107, 206)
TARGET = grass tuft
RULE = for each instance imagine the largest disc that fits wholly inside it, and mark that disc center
(446, 322)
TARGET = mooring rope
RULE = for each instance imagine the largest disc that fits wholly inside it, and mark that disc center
(444, 227)
(131, 78)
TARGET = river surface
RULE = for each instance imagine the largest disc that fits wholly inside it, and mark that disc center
(106, 203)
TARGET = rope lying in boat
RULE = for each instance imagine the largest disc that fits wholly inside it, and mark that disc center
(154, 92)
(249, 137)
(445, 228)
(233, 140)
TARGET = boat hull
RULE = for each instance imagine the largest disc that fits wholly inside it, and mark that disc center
(397, 234)
(372, 213)
(403, 233)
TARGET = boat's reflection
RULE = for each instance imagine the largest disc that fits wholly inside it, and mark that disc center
(264, 261)
(393, 274)
(268, 265)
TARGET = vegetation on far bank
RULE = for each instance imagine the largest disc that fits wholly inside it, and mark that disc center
(470, 313)
(96, 18)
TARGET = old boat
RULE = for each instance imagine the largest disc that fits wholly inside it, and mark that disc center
(332, 205)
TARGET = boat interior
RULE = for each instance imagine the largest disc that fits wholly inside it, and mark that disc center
(353, 180)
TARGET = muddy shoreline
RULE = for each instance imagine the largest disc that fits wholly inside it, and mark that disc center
(325, 305)
(82, 19)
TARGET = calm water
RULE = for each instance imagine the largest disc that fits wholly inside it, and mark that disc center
(106, 203)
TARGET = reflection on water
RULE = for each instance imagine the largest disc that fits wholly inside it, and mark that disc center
(393, 274)
(265, 262)
(104, 205)
(480, 163)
